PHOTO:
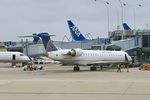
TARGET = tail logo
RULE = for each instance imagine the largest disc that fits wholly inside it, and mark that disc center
(50, 46)
(75, 30)
(125, 26)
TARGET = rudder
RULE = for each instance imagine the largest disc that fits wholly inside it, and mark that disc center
(75, 33)
(47, 42)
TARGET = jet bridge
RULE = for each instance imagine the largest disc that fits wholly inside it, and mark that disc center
(125, 45)
(129, 44)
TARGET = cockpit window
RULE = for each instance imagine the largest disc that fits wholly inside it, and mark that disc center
(21, 54)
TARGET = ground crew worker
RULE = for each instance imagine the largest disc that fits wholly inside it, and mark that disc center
(126, 66)
(101, 67)
(119, 68)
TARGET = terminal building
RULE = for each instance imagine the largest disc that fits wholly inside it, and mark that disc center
(135, 42)
(141, 46)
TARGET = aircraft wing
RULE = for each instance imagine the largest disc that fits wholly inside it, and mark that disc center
(25, 36)
(34, 34)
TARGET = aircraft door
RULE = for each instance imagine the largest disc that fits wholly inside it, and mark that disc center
(126, 58)
(13, 57)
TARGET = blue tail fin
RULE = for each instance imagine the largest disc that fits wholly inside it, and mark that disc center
(75, 33)
(125, 26)
(48, 43)
(35, 38)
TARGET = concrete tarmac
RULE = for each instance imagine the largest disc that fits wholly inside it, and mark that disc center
(57, 82)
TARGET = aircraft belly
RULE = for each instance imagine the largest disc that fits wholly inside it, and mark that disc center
(88, 60)
(12, 61)
(75, 61)
(4, 58)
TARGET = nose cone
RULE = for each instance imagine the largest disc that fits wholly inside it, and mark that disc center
(129, 58)
(26, 59)
(29, 58)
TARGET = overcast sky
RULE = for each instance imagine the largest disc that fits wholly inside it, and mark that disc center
(24, 17)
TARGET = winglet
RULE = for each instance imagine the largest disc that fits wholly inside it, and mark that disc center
(34, 36)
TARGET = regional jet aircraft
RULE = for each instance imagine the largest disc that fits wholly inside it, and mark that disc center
(79, 57)
(14, 57)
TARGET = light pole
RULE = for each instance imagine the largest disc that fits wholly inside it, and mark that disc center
(106, 5)
(134, 15)
(117, 12)
(121, 18)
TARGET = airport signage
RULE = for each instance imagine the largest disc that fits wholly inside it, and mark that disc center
(9, 44)
(105, 41)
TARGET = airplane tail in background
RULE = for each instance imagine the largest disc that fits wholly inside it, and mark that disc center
(48, 43)
(35, 38)
(125, 26)
(75, 33)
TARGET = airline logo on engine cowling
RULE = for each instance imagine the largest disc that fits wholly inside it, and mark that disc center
(75, 30)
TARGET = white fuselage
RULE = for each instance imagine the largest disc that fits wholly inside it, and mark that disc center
(13, 57)
(90, 57)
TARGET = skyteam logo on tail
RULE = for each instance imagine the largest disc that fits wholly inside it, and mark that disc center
(75, 30)
(75, 33)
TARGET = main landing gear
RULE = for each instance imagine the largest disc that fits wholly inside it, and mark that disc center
(93, 68)
(76, 68)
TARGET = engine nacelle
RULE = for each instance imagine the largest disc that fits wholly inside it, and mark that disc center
(75, 52)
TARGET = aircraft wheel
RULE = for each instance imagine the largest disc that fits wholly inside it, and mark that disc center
(76, 69)
(41, 67)
(34, 68)
(93, 68)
